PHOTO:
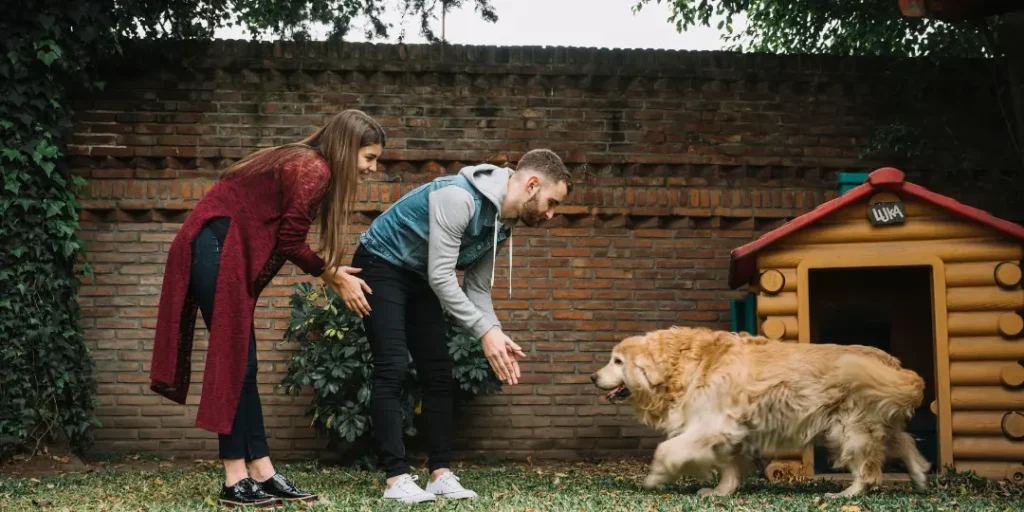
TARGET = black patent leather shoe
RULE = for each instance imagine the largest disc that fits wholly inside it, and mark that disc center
(247, 493)
(280, 487)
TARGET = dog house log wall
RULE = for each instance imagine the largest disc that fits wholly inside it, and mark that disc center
(977, 301)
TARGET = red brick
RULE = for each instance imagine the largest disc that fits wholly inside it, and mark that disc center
(571, 379)
(107, 323)
(531, 400)
(161, 433)
(572, 294)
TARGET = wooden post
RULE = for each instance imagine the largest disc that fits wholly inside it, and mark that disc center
(977, 373)
(985, 348)
(986, 398)
(984, 298)
(1015, 473)
(1012, 471)
(989, 423)
(864, 232)
(1007, 325)
(1011, 325)
(783, 470)
(1008, 275)
(1012, 375)
(772, 281)
(783, 304)
(781, 327)
(1012, 425)
(849, 254)
(989, 273)
(987, 448)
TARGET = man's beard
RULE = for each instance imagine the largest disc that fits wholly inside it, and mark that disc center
(530, 213)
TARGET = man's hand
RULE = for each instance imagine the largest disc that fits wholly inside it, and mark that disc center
(350, 288)
(501, 352)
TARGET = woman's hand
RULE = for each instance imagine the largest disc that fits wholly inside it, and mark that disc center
(350, 288)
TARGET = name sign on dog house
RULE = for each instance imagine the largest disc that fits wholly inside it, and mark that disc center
(888, 212)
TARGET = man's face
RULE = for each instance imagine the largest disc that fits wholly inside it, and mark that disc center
(542, 198)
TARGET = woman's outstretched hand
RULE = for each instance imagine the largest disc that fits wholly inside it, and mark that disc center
(350, 288)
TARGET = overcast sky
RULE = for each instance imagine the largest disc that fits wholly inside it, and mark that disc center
(587, 23)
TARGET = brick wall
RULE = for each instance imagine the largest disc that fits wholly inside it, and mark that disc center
(679, 157)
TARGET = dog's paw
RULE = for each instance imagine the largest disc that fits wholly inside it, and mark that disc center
(653, 481)
(847, 493)
(920, 482)
(709, 492)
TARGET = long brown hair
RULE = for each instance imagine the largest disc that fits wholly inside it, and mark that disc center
(338, 142)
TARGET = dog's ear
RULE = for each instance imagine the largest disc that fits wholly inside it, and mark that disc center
(649, 370)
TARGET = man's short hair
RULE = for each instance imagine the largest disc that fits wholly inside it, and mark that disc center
(547, 163)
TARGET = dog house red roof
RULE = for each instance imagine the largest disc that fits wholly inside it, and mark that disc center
(743, 261)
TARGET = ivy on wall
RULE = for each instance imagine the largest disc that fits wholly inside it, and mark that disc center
(47, 382)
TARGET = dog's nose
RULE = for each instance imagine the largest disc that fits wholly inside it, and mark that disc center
(593, 378)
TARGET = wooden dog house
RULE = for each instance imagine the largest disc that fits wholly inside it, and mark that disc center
(932, 281)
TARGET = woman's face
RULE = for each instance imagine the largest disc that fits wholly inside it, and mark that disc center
(367, 159)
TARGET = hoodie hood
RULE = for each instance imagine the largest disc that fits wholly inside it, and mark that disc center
(492, 182)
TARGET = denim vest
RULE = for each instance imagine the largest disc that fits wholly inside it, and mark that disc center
(400, 234)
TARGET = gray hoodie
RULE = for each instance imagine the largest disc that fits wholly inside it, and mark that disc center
(451, 210)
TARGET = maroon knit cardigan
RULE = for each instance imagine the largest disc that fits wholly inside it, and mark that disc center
(270, 214)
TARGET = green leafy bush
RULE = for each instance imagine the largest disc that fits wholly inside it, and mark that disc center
(47, 385)
(334, 359)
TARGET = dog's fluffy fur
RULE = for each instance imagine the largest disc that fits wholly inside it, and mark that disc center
(724, 399)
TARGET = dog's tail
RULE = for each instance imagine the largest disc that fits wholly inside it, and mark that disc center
(896, 392)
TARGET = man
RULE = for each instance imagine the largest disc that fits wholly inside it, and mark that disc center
(408, 259)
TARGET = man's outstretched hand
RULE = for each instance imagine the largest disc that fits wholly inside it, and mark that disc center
(501, 352)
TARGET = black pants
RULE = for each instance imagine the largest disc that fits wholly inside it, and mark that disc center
(247, 439)
(406, 318)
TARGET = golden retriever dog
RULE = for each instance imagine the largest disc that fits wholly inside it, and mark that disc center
(725, 399)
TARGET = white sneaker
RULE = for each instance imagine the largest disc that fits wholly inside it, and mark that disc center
(447, 486)
(406, 490)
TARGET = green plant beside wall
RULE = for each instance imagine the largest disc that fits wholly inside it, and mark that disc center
(47, 381)
(334, 359)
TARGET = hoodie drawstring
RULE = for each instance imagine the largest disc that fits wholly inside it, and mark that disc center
(494, 255)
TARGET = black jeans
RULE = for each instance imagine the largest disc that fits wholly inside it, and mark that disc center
(406, 318)
(247, 439)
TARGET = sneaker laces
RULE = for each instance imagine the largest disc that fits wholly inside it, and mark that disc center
(446, 481)
(407, 483)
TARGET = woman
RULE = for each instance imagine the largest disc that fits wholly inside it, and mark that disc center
(229, 248)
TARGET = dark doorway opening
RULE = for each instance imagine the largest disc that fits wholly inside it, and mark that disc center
(885, 307)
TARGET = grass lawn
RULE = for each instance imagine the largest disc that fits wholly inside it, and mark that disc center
(185, 486)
